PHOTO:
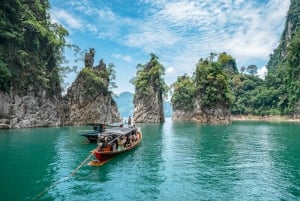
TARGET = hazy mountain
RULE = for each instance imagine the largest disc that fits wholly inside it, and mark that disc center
(125, 104)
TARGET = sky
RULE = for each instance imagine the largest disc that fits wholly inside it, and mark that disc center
(179, 32)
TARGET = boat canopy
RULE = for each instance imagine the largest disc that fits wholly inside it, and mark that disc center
(118, 131)
(115, 124)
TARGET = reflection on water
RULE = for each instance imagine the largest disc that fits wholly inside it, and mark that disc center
(175, 161)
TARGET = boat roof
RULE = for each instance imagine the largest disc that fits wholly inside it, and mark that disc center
(114, 124)
(117, 131)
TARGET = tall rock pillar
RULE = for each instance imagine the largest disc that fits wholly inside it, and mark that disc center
(149, 90)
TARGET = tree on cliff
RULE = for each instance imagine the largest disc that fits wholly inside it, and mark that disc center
(30, 48)
(183, 93)
(89, 98)
(149, 91)
(149, 76)
(97, 79)
(228, 63)
(206, 97)
(212, 84)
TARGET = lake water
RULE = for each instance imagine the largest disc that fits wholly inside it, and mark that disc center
(175, 161)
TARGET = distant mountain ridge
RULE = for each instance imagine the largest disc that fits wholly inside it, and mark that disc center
(125, 104)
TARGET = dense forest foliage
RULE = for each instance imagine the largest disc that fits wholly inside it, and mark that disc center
(183, 93)
(209, 82)
(98, 80)
(283, 79)
(30, 48)
(149, 77)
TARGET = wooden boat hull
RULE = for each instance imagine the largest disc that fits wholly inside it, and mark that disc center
(97, 162)
(107, 155)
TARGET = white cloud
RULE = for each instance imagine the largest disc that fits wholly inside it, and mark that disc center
(92, 28)
(169, 70)
(246, 31)
(82, 6)
(66, 18)
(262, 72)
(183, 12)
(150, 38)
(106, 14)
(126, 58)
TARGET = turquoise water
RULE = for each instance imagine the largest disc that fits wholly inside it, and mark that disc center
(175, 161)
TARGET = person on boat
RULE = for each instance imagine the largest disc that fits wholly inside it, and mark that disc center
(120, 144)
(114, 147)
(103, 127)
(133, 137)
(129, 121)
(105, 142)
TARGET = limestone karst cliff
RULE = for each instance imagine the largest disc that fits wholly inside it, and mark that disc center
(89, 100)
(205, 98)
(31, 67)
(17, 111)
(149, 90)
(217, 115)
(279, 55)
(30, 50)
(284, 64)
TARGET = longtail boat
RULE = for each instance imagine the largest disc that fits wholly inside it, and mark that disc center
(115, 141)
(92, 135)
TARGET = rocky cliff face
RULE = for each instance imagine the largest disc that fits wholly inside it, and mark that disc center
(149, 88)
(88, 100)
(28, 111)
(149, 108)
(204, 98)
(220, 115)
(80, 109)
(203, 116)
(290, 28)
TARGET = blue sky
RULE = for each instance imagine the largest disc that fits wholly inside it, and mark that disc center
(179, 32)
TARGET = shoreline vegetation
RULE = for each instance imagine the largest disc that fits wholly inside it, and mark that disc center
(269, 118)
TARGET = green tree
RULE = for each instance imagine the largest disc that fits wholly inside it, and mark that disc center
(212, 56)
(31, 47)
(183, 93)
(228, 63)
(212, 84)
(252, 69)
(111, 77)
(149, 77)
(98, 80)
(242, 69)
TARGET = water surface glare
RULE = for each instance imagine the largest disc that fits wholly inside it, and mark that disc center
(175, 161)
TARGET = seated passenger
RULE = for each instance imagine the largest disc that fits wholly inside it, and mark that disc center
(120, 144)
